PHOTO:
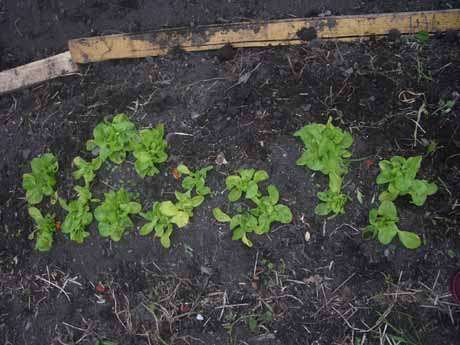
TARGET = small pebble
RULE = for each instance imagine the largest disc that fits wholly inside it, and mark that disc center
(194, 115)
(220, 159)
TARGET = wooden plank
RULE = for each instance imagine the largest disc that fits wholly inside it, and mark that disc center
(37, 72)
(276, 32)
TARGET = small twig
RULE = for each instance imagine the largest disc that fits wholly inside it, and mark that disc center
(54, 285)
(232, 305)
(255, 265)
(421, 110)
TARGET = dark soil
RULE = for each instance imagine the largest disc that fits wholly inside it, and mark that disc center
(320, 281)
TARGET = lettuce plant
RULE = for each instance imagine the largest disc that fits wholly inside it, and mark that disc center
(332, 200)
(79, 215)
(160, 223)
(113, 139)
(195, 180)
(326, 150)
(246, 182)
(268, 211)
(399, 173)
(181, 211)
(86, 170)
(257, 219)
(45, 228)
(383, 226)
(42, 180)
(113, 214)
(241, 224)
(150, 150)
(164, 215)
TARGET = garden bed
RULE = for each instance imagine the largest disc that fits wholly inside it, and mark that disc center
(314, 281)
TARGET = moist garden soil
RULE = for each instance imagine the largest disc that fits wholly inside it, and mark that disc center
(315, 281)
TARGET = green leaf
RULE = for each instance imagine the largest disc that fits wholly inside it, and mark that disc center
(181, 219)
(410, 240)
(335, 182)
(273, 194)
(188, 183)
(283, 214)
(373, 214)
(252, 190)
(388, 209)
(35, 214)
(203, 190)
(146, 229)
(236, 220)
(252, 324)
(44, 242)
(238, 233)
(234, 195)
(322, 209)
(359, 196)
(197, 200)
(34, 196)
(168, 208)
(131, 207)
(247, 174)
(183, 169)
(221, 216)
(260, 175)
(232, 181)
(422, 37)
(165, 241)
(387, 233)
(28, 181)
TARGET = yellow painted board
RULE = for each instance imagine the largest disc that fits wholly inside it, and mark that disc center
(258, 34)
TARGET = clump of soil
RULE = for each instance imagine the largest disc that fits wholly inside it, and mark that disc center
(307, 34)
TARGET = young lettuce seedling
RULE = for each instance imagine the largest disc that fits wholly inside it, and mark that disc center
(113, 139)
(150, 150)
(113, 214)
(246, 182)
(195, 180)
(160, 223)
(79, 215)
(257, 219)
(182, 210)
(45, 228)
(42, 180)
(268, 211)
(85, 169)
(399, 173)
(241, 224)
(326, 150)
(165, 214)
(332, 200)
(383, 226)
